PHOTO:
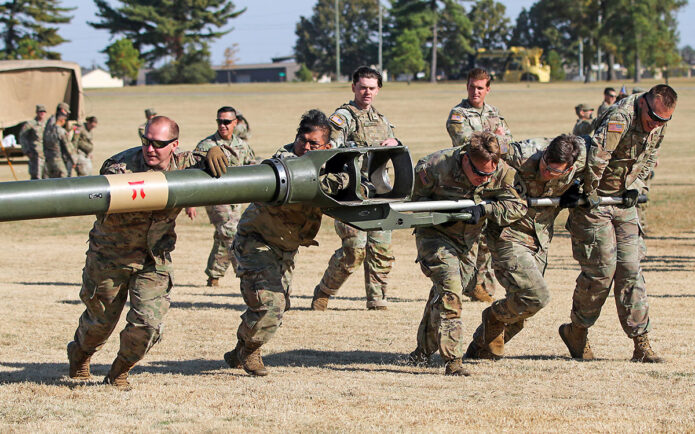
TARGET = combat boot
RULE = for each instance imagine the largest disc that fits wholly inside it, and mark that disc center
(251, 360)
(233, 358)
(577, 340)
(320, 300)
(493, 334)
(118, 374)
(455, 367)
(79, 362)
(643, 351)
(213, 282)
(479, 294)
(417, 358)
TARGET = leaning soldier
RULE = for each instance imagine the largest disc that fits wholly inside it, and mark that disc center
(84, 146)
(268, 238)
(358, 123)
(224, 217)
(474, 172)
(520, 251)
(149, 114)
(129, 256)
(585, 120)
(56, 145)
(31, 139)
(606, 238)
(474, 114)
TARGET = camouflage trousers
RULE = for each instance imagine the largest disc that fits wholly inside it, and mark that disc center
(484, 277)
(606, 242)
(225, 219)
(105, 290)
(519, 269)
(371, 248)
(55, 167)
(83, 165)
(36, 163)
(449, 266)
(266, 274)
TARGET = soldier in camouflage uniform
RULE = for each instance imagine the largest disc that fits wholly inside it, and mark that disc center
(267, 241)
(224, 217)
(473, 172)
(129, 256)
(31, 139)
(84, 146)
(358, 123)
(474, 114)
(57, 146)
(609, 97)
(605, 238)
(242, 129)
(520, 250)
(149, 114)
(585, 121)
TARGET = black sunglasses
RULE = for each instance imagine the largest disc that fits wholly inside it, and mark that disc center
(655, 117)
(479, 172)
(225, 121)
(552, 169)
(157, 144)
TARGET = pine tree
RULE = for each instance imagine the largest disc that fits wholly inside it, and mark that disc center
(26, 31)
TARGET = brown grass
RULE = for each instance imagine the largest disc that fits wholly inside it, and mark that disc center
(338, 370)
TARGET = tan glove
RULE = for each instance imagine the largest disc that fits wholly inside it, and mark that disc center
(217, 161)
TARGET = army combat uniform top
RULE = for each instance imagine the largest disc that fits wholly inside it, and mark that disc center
(602, 109)
(464, 119)
(443, 249)
(57, 149)
(355, 127)
(84, 146)
(31, 139)
(583, 127)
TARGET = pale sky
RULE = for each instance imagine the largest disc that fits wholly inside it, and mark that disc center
(265, 30)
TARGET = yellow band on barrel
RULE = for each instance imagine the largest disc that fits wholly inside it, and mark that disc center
(144, 191)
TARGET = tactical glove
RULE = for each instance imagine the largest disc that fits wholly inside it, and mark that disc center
(570, 198)
(217, 161)
(477, 212)
(592, 200)
(630, 198)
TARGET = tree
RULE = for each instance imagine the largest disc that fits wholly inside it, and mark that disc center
(688, 54)
(490, 25)
(557, 73)
(358, 23)
(304, 74)
(193, 67)
(123, 59)
(406, 55)
(26, 31)
(230, 55)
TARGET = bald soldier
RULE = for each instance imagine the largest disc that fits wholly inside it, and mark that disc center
(129, 257)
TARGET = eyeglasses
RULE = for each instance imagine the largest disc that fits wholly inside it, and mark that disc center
(611, 95)
(313, 145)
(655, 117)
(225, 121)
(552, 169)
(479, 172)
(157, 144)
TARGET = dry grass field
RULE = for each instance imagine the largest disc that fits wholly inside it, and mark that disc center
(339, 370)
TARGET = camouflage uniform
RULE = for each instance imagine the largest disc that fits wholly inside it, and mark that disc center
(268, 238)
(242, 130)
(31, 139)
(224, 217)
(463, 121)
(602, 109)
(354, 127)
(443, 250)
(583, 127)
(141, 130)
(130, 254)
(605, 239)
(57, 148)
(84, 146)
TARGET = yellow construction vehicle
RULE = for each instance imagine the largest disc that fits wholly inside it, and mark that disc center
(514, 64)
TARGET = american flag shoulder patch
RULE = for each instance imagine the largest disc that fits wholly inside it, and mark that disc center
(616, 127)
(337, 120)
(456, 117)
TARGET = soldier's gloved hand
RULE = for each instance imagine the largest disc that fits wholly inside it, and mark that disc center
(630, 198)
(570, 198)
(477, 212)
(592, 200)
(217, 161)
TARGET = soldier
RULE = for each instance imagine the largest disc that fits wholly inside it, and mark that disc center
(84, 146)
(474, 114)
(267, 241)
(224, 217)
(130, 255)
(31, 139)
(609, 97)
(585, 120)
(57, 147)
(242, 129)
(149, 114)
(520, 251)
(471, 172)
(358, 123)
(605, 238)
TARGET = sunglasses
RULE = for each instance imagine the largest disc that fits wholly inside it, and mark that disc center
(312, 144)
(552, 169)
(225, 121)
(610, 95)
(157, 144)
(655, 117)
(479, 172)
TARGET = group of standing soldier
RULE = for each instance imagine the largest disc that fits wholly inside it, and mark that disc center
(129, 254)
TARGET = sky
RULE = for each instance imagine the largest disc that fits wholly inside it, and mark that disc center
(264, 31)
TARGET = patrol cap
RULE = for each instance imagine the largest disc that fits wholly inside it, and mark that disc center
(64, 107)
(40, 108)
(637, 90)
(584, 107)
(150, 112)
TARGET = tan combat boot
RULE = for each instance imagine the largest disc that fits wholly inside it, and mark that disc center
(79, 362)
(320, 300)
(479, 294)
(455, 367)
(493, 335)
(417, 358)
(251, 360)
(213, 282)
(118, 374)
(577, 340)
(643, 351)
(233, 358)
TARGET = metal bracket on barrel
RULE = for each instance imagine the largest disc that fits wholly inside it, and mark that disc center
(283, 182)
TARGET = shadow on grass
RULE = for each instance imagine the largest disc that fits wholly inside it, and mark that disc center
(78, 284)
(183, 305)
(336, 298)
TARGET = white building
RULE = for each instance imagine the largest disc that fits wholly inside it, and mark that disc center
(100, 78)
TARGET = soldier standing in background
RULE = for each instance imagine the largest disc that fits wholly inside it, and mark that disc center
(474, 114)
(84, 146)
(358, 123)
(149, 114)
(224, 217)
(129, 257)
(609, 97)
(31, 139)
(585, 120)
(56, 143)
(606, 238)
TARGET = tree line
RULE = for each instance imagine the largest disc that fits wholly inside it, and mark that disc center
(434, 37)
